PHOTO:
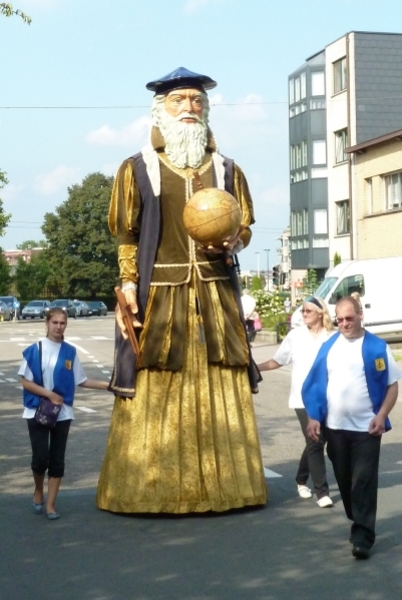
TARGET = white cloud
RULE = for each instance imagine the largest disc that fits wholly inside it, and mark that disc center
(133, 134)
(11, 192)
(193, 5)
(60, 177)
(110, 168)
(246, 108)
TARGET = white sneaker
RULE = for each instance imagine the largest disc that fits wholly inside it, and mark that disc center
(325, 502)
(304, 491)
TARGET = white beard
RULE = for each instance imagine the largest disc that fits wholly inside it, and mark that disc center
(185, 143)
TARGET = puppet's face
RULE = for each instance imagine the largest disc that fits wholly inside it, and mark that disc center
(186, 105)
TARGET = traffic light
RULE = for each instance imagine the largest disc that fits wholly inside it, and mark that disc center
(275, 275)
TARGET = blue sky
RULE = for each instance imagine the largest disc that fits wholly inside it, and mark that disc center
(85, 64)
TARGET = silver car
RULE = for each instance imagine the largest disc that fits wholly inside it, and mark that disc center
(81, 308)
(35, 309)
(6, 313)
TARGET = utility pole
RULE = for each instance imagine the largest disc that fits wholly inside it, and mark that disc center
(267, 251)
(258, 263)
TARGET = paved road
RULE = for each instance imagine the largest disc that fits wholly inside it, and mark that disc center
(288, 549)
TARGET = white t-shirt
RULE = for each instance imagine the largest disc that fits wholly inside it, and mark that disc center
(349, 404)
(50, 353)
(300, 347)
(249, 304)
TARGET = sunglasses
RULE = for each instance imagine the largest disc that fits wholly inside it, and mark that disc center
(307, 311)
(345, 319)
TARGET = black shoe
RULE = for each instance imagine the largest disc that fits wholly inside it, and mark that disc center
(360, 552)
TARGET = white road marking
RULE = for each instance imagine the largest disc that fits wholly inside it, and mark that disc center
(108, 372)
(95, 361)
(2, 381)
(270, 474)
(100, 366)
(98, 337)
(11, 380)
(85, 409)
(78, 347)
(17, 339)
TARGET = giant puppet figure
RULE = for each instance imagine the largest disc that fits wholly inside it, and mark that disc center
(183, 435)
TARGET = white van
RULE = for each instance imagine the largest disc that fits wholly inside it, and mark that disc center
(379, 283)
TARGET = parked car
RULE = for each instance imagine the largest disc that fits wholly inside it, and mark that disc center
(6, 313)
(81, 308)
(66, 305)
(96, 307)
(35, 308)
(13, 304)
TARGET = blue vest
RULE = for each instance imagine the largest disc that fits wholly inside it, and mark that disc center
(375, 360)
(63, 374)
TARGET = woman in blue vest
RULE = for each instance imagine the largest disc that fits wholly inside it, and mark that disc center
(51, 368)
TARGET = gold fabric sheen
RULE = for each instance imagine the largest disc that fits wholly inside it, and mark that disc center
(188, 440)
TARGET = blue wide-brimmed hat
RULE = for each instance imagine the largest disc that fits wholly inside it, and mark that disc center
(181, 78)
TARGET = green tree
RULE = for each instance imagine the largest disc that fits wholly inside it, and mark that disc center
(31, 277)
(256, 283)
(4, 217)
(337, 259)
(80, 249)
(28, 244)
(5, 278)
(310, 282)
(7, 10)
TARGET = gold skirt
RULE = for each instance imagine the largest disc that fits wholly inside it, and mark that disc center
(187, 442)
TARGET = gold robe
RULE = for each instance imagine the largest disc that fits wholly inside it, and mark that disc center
(187, 441)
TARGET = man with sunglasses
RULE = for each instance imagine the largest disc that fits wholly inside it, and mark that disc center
(350, 391)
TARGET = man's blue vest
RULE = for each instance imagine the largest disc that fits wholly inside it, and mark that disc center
(63, 374)
(375, 360)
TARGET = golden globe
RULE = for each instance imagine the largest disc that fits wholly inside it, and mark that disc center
(211, 217)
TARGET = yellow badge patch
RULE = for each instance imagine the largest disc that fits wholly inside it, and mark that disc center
(69, 365)
(380, 364)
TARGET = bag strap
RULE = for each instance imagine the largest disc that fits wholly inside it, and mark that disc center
(40, 364)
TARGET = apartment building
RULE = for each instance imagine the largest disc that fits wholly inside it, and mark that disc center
(377, 174)
(345, 95)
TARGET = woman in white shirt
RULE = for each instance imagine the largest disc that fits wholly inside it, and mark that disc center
(300, 347)
(51, 368)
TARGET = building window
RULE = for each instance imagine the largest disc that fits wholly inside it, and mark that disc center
(299, 223)
(291, 91)
(318, 83)
(393, 191)
(342, 217)
(369, 196)
(319, 152)
(305, 222)
(297, 89)
(317, 104)
(304, 153)
(320, 221)
(293, 224)
(298, 156)
(320, 242)
(303, 90)
(341, 142)
(340, 75)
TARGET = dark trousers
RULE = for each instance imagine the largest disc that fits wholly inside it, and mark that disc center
(355, 457)
(312, 460)
(48, 447)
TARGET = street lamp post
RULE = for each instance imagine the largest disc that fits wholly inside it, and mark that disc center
(267, 251)
(258, 263)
